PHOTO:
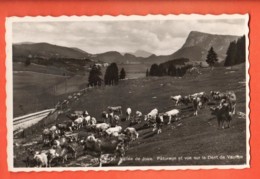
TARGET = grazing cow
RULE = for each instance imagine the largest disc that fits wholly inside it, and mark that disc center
(151, 115)
(72, 116)
(112, 146)
(115, 109)
(93, 121)
(132, 133)
(79, 122)
(138, 116)
(116, 120)
(128, 114)
(105, 116)
(30, 161)
(197, 104)
(87, 120)
(61, 153)
(111, 130)
(231, 100)
(217, 95)
(176, 99)
(48, 137)
(212, 93)
(101, 127)
(159, 123)
(185, 100)
(223, 114)
(79, 113)
(67, 126)
(53, 129)
(195, 95)
(170, 114)
(61, 142)
(41, 159)
(85, 113)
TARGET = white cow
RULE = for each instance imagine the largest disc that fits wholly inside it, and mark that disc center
(138, 114)
(41, 159)
(176, 99)
(101, 126)
(93, 121)
(111, 130)
(87, 120)
(115, 109)
(195, 95)
(79, 122)
(151, 115)
(128, 113)
(170, 114)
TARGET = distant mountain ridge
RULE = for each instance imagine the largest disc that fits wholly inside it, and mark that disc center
(197, 45)
(46, 50)
(195, 48)
(141, 53)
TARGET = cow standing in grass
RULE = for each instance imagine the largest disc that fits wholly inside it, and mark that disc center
(128, 113)
(159, 123)
(115, 109)
(197, 104)
(223, 114)
(176, 99)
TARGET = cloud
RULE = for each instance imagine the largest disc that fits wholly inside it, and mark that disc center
(156, 36)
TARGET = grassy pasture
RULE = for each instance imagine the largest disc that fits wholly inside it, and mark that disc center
(191, 136)
(38, 87)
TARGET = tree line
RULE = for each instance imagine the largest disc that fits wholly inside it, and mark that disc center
(111, 77)
(168, 68)
(236, 52)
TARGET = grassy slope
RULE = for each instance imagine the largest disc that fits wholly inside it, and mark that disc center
(36, 83)
(192, 136)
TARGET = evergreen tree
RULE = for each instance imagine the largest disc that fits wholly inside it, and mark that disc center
(170, 70)
(111, 74)
(107, 78)
(94, 78)
(147, 73)
(236, 52)
(174, 71)
(241, 50)
(231, 54)
(212, 57)
(154, 71)
(122, 74)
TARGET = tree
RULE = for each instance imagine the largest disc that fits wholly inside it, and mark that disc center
(231, 54)
(154, 71)
(94, 78)
(122, 74)
(236, 52)
(241, 50)
(147, 72)
(111, 74)
(212, 57)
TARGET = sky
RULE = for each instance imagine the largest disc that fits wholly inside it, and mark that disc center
(160, 37)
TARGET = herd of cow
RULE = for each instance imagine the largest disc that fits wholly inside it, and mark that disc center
(108, 137)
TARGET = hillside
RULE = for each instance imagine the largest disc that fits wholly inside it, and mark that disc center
(47, 50)
(191, 136)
